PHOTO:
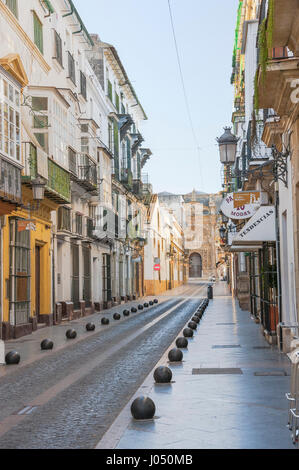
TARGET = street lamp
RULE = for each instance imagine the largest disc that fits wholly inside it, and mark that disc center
(222, 232)
(38, 188)
(227, 146)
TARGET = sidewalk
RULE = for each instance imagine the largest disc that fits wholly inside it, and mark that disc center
(243, 408)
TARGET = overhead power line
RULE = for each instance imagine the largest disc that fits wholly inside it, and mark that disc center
(183, 85)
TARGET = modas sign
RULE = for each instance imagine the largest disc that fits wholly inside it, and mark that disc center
(241, 211)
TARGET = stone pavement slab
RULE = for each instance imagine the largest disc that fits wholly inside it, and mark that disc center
(243, 410)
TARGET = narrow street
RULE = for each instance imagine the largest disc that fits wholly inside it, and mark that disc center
(74, 394)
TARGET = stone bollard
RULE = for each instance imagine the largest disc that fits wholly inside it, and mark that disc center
(46, 345)
(143, 408)
(162, 375)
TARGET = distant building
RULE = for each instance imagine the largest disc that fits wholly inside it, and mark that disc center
(198, 214)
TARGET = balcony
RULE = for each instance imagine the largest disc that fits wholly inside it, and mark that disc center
(124, 124)
(142, 188)
(126, 177)
(58, 187)
(10, 186)
(137, 141)
(278, 88)
(84, 171)
(286, 24)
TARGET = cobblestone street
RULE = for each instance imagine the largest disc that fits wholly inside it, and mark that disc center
(77, 392)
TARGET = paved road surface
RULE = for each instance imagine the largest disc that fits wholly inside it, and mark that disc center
(69, 398)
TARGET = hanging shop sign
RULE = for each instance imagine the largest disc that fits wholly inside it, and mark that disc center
(243, 198)
(137, 260)
(26, 225)
(241, 212)
(260, 228)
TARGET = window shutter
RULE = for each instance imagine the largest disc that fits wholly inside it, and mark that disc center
(38, 33)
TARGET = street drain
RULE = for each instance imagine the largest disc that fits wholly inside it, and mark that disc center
(218, 371)
(271, 373)
(224, 346)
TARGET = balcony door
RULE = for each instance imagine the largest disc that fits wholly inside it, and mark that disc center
(37, 279)
(75, 276)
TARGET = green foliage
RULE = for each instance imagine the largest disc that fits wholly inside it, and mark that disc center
(265, 42)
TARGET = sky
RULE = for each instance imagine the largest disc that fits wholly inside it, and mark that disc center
(141, 32)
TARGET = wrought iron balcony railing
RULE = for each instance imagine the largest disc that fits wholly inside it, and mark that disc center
(58, 186)
(84, 171)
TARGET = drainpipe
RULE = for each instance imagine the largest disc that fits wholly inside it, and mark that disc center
(278, 259)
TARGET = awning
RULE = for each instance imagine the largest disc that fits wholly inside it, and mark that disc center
(260, 228)
(245, 248)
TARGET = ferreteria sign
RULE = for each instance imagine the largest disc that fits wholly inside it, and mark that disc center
(260, 228)
(247, 197)
(244, 211)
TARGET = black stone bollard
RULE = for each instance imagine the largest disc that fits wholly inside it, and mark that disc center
(126, 313)
(90, 327)
(162, 375)
(151, 302)
(156, 301)
(133, 309)
(175, 355)
(12, 357)
(145, 305)
(140, 307)
(105, 321)
(143, 408)
(192, 325)
(181, 342)
(188, 333)
(71, 334)
(195, 319)
(116, 316)
(46, 344)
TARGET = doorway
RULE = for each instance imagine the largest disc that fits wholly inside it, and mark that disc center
(37, 280)
(195, 269)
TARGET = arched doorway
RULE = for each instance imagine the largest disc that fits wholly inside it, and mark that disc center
(195, 265)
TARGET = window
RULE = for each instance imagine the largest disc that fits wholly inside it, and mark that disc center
(84, 128)
(72, 161)
(84, 145)
(64, 219)
(10, 120)
(19, 273)
(83, 85)
(117, 101)
(38, 33)
(109, 89)
(58, 48)
(13, 6)
(78, 224)
(40, 120)
(60, 130)
(72, 72)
